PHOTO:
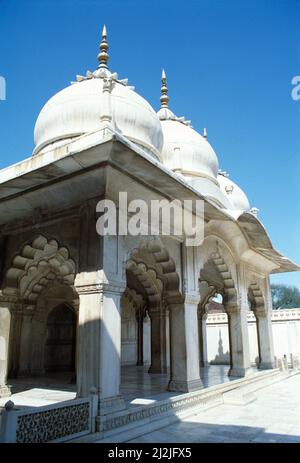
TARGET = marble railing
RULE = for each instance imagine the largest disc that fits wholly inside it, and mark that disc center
(51, 423)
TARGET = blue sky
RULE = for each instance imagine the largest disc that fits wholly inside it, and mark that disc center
(229, 67)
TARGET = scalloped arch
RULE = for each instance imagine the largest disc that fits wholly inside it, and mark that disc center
(229, 289)
(256, 297)
(37, 264)
(156, 271)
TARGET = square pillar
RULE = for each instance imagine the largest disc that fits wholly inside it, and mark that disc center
(5, 321)
(239, 341)
(99, 345)
(184, 347)
(15, 336)
(25, 357)
(203, 340)
(263, 316)
(158, 341)
(265, 340)
(140, 338)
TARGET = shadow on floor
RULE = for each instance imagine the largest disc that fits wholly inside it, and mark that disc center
(195, 432)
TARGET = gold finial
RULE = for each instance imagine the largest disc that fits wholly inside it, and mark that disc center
(103, 56)
(205, 133)
(164, 99)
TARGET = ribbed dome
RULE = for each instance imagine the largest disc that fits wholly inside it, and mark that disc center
(234, 193)
(77, 110)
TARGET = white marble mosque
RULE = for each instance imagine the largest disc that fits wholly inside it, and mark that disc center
(86, 307)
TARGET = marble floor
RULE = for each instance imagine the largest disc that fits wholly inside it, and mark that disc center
(140, 388)
(37, 392)
(273, 417)
(137, 386)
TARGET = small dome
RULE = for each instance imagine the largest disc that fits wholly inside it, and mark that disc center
(186, 151)
(189, 154)
(234, 193)
(78, 109)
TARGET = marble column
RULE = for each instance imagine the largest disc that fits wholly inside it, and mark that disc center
(203, 340)
(265, 340)
(158, 341)
(147, 339)
(5, 321)
(15, 335)
(239, 341)
(184, 342)
(99, 345)
(26, 341)
(264, 330)
(140, 338)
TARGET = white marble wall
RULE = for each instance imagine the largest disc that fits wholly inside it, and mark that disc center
(286, 335)
(218, 343)
(129, 333)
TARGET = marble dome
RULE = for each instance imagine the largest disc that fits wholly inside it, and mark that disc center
(77, 110)
(234, 193)
(188, 153)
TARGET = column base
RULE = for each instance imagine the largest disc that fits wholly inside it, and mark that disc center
(266, 366)
(240, 372)
(204, 364)
(111, 405)
(185, 386)
(5, 391)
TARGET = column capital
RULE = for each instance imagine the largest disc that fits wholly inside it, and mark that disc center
(101, 288)
(191, 298)
(175, 306)
(28, 310)
(7, 302)
(156, 311)
(232, 308)
(260, 311)
(187, 299)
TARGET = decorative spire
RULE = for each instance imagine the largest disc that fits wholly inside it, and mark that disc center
(254, 211)
(204, 133)
(223, 172)
(164, 99)
(103, 56)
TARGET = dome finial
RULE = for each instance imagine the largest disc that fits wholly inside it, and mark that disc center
(204, 133)
(103, 56)
(164, 99)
